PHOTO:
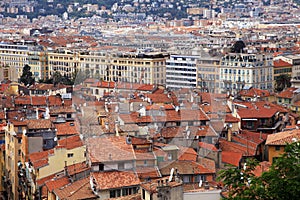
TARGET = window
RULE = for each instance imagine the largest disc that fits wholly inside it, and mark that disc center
(70, 155)
(101, 167)
(186, 179)
(121, 166)
(169, 156)
(277, 148)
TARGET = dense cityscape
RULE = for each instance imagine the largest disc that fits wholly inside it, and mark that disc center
(149, 99)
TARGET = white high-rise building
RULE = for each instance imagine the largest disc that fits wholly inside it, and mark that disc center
(181, 71)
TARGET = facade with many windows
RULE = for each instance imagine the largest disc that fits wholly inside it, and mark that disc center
(125, 67)
(238, 70)
(181, 71)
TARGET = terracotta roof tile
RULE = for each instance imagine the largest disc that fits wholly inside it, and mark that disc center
(77, 168)
(115, 179)
(40, 159)
(207, 146)
(67, 128)
(42, 181)
(143, 154)
(259, 109)
(54, 101)
(236, 147)
(111, 148)
(187, 153)
(80, 189)
(168, 116)
(185, 167)
(254, 92)
(232, 158)
(283, 137)
(231, 119)
(62, 110)
(147, 172)
(287, 93)
(39, 124)
(38, 100)
(280, 63)
(23, 100)
(71, 142)
(261, 168)
(57, 183)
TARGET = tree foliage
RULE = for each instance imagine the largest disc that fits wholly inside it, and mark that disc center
(238, 47)
(282, 81)
(281, 181)
(26, 76)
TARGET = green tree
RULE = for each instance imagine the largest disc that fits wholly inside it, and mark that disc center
(282, 181)
(26, 76)
(282, 81)
(239, 182)
(238, 47)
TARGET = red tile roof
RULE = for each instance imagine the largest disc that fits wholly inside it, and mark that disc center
(254, 92)
(280, 63)
(40, 159)
(71, 142)
(232, 158)
(115, 179)
(283, 137)
(80, 189)
(111, 149)
(54, 100)
(261, 109)
(39, 124)
(67, 128)
(23, 100)
(261, 168)
(38, 100)
(169, 116)
(231, 119)
(236, 147)
(57, 183)
(186, 153)
(147, 172)
(181, 132)
(185, 167)
(77, 168)
(207, 146)
(287, 93)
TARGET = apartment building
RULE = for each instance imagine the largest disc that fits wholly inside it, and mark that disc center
(238, 70)
(208, 70)
(63, 61)
(14, 56)
(181, 71)
(13, 140)
(125, 67)
(198, 71)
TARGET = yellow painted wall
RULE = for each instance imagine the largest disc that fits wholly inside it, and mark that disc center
(57, 160)
(272, 152)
